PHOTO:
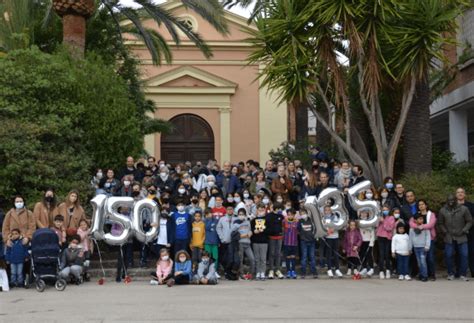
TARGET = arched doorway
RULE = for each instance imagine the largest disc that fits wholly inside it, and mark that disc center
(191, 139)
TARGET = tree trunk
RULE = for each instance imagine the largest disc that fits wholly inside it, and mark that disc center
(323, 138)
(74, 34)
(301, 118)
(417, 132)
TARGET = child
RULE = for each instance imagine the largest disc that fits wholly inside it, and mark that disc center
(260, 241)
(218, 211)
(182, 269)
(164, 267)
(83, 232)
(198, 238)
(351, 247)
(224, 230)
(242, 225)
(307, 231)
(58, 228)
(368, 240)
(206, 273)
(181, 222)
(290, 242)
(401, 249)
(275, 234)
(211, 242)
(16, 256)
(421, 240)
(332, 241)
(384, 237)
(72, 260)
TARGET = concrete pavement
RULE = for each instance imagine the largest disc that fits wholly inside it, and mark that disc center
(307, 300)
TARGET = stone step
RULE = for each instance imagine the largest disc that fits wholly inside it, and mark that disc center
(110, 273)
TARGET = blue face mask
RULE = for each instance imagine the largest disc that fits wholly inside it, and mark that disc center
(385, 212)
(389, 186)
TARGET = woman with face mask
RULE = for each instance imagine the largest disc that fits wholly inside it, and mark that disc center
(384, 235)
(19, 217)
(45, 210)
(181, 194)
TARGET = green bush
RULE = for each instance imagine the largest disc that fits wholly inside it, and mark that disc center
(434, 188)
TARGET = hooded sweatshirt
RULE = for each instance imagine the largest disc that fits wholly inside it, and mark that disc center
(211, 234)
(224, 228)
(185, 267)
(244, 229)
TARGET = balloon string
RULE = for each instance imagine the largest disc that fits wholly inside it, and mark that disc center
(123, 262)
(100, 257)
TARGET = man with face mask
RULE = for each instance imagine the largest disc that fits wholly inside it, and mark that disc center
(454, 222)
(357, 176)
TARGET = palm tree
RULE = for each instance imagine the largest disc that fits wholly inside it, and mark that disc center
(391, 45)
(75, 13)
(15, 27)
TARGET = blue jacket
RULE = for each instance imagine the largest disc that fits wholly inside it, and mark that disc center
(211, 233)
(17, 253)
(185, 267)
(181, 226)
(232, 186)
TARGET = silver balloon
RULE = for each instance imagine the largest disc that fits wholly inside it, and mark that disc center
(98, 216)
(140, 207)
(112, 205)
(370, 206)
(338, 207)
(311, 205)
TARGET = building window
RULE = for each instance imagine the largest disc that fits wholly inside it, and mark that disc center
(190, 22)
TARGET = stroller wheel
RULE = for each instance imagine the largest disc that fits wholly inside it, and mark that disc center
(27, 281)
(40, 285)
(60, 284)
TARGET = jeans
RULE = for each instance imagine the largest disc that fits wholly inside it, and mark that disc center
(274, 254)
(245, 249)
(308, 249)
(260, 251)
(431, 260)
(181, 245)
(332, 249)
(75, 270)
(470, 247)
(402, 264)
(421, 260)
(384, 254)
(16, 273)
(461, 250)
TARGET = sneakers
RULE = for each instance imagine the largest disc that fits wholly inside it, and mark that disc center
(289, 274)
(464, 278)
(293, 274)
(450, 277)
(370, 272)
(330, 274)
(262, 276)
(153, 282)
(218, 276)
(338, 273)
(271, 275)
(349, 272)
(279, 274)
(382, 275)
(170, 283)
(424, 279)
(407, 277)
(387, 274)
(401, 277)
(363, 272)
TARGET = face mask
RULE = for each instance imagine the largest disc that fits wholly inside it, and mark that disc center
(152, 192)
(246, 195)
(49, 199)
(107, 185)
(396, 215)
(194, 201)
(165, 258)
(99, 175)
(237, 199)
(218, 204)
(135, 193)
(73, 246)
(180, 208)
(210, 184)
(230, 199)
(126, 183)
(178, 170)
(385, 212)
(369, 196)
(384, 195)
(182, 259)
(19, 205)
(304, 216)
(205, 261)
(389, 186)
(163, 175)
(266, 201)
(241, 217)
(182, 191)
(280, 200)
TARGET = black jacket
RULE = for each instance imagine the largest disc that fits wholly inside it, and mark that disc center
(261, 237)
(275, 224)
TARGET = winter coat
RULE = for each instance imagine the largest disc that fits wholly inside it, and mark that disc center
(22, 220)
(232, 186)
(430, 224)
(17, 253)
(224, 228)
(279, 188)
(78, 214)
(212, 238)
(70, 257)
(44, 216)
(455, 223)
(385, 228)
(352, 239)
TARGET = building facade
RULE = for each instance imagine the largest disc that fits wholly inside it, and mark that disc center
(452, 115)
(216, 105)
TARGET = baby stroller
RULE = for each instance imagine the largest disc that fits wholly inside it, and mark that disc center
(45, 252)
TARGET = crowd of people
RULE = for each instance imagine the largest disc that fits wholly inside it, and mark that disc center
(248, 221)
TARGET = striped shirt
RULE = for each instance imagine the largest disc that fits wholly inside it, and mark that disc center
(290, 232)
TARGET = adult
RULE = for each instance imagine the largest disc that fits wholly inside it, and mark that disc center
(310, 186)
(259, 183)
(410, 208)
(343, 178)
(126, 186)
(227, 182)
(164, 182)
(19, 217)
(152, 165)
(455, 221)
(72, 211)
(399, 196)
(282, 184)
(45, 211)
(357, 175)
(323, 182)
(461, 198)
(109, 184)
(130, 169)
(269, 171)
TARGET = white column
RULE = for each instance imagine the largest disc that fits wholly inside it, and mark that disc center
(458, 134)
(224, 114)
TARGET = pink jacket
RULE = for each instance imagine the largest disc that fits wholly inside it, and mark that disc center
(163, 268)
(385, 228)
(430, 225)
(352, 239)
(84, 238)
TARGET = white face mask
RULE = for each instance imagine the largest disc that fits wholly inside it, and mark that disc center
(19, 205)
(163, 175)
(304, 216)
(396, 215)
(280, 200)
(126, 183)
(99, 175)
(237, 199)
(241, 217)
(369, 196)
(266, 201)
(246, 195)
(384, 195)
(180, 208)
(181, 191)
(182, 259)
(165, 258)
(210, 184)
(230, 199)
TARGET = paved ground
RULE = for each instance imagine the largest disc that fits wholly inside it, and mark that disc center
(280, 301)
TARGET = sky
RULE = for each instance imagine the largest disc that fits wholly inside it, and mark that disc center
(237, 9)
